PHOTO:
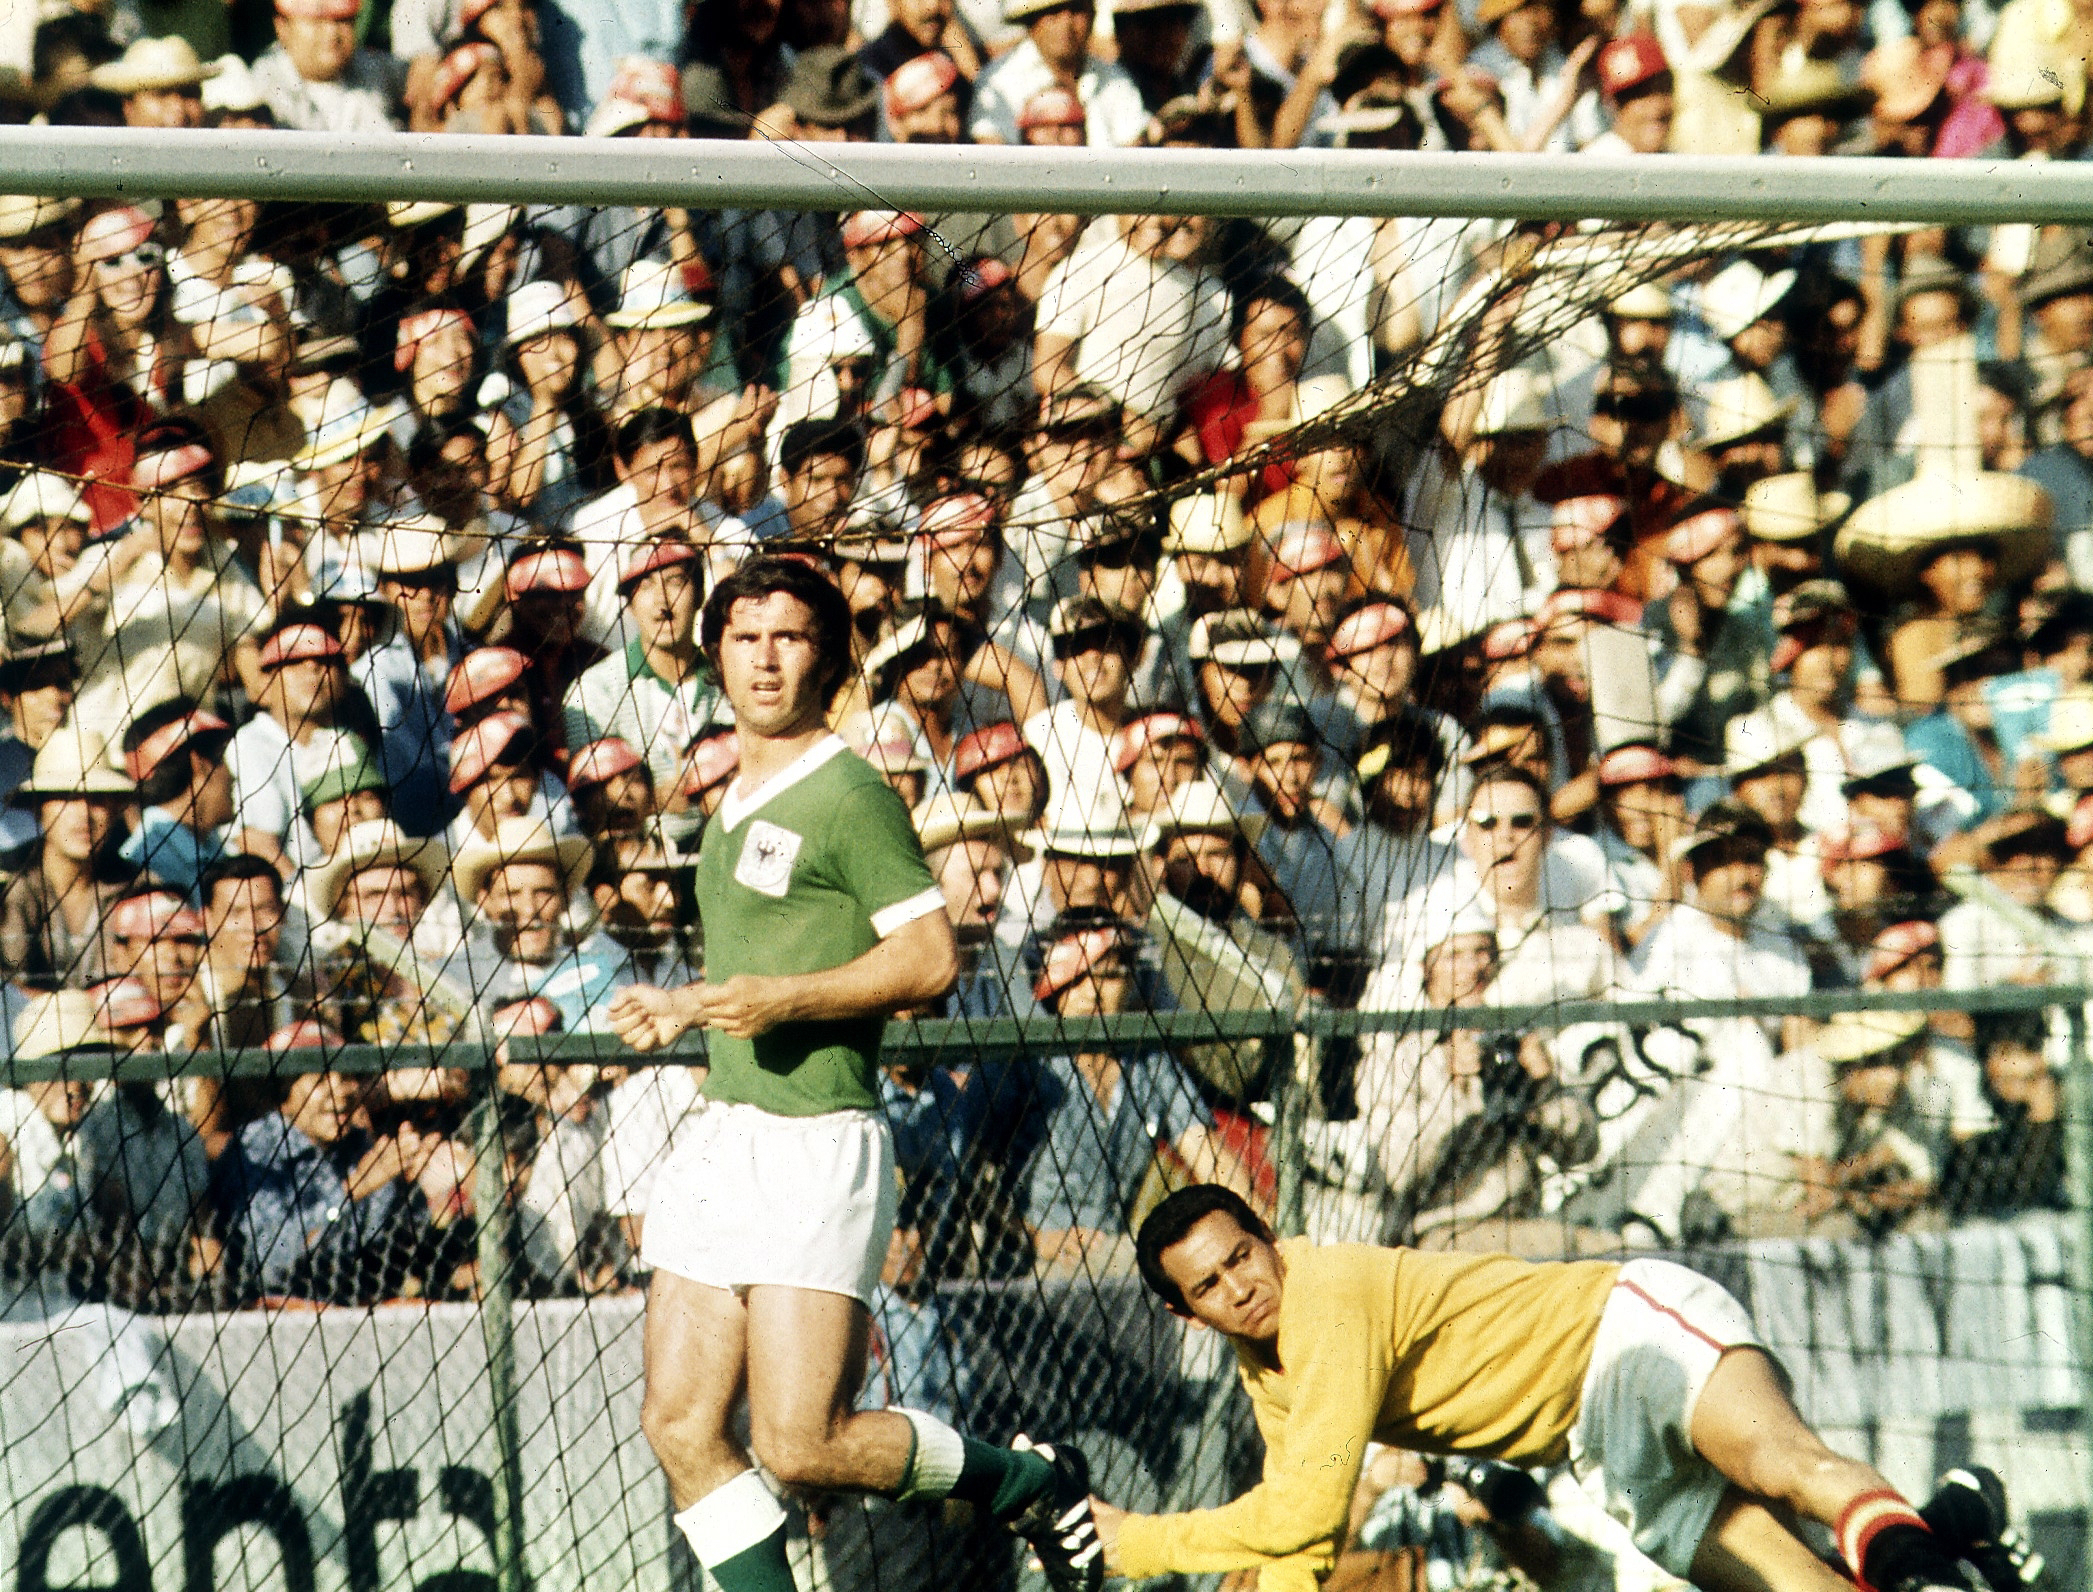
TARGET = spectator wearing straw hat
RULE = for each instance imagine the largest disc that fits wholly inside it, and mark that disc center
(1056, 51)
(161, 81)
(52, 913)
(971, 852)
(518, 883)
(1951, 545)
(39, 1123)
(1765, 762)
(405, 676)
(49, 581)
(36, 270)
(317, 79)
(661, 340)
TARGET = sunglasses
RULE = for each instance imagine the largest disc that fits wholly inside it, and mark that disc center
(1637, 408)
(1129, 554)
(146, 257)
(1518, 822)
(1098, 638)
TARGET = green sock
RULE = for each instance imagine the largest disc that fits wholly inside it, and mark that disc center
(763, 1568)
(1004, 1481)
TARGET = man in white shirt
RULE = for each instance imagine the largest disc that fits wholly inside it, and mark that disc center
(290, 742)
(1094, 651)
(1719, 945)
(316, 80)
(1056, 51)
(1136, 312)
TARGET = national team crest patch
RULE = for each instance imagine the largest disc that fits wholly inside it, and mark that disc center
(767, 856)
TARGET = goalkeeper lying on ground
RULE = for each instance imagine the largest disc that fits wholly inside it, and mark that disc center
(1646, 1377)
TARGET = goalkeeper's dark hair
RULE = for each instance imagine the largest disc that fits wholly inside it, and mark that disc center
(1170, 1221)
(767, 573)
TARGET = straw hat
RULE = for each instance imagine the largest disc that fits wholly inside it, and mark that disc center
(1759, 739)
(1789, 508)
(1201, 808)
(1095, 828)
(1511, 403)
(379, 843)
(947, 819)
(2070, 726)
(1891, 536)
(75, 762)
(40, 495)
(411, 546)
(520, 840)
(150, 64)
(652, 295)
(537, 308)
(233, 89)
(22, 213)
(1741, 407)
(1646, 301)
(57, 1022)
(2027, 72)
(1208, 522)
(1740, 294)
(349, 423)
(1854, 1037)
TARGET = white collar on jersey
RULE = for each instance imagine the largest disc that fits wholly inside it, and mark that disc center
(734, 806)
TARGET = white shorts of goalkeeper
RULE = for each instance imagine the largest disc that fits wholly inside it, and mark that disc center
(1662, 1332)
(749, 1198)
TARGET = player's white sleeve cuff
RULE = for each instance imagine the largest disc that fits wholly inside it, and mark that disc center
(902, 913)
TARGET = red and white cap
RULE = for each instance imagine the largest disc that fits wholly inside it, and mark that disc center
(1698, 535)
(865, 228)
(163, 743)
(713, 759)
(300, 644)
(422, 325)
(1132, 739)
(1072, 957)
(915, 409)
(1052, 107)
(1898, 944)
(126, 1002)
(155, 472)
(1369, 628)
(526, 1019)
(1581, 521)
(480, 747)
(654, 86)
(1305, 546)
(305, 1034)
(1861, 844)
(458, 68)
(557, 569)
(1598, 607)
(991, 746)
(1635, 765)
(482, 674)
(114, 232)
(982, 278)
(1510, 639)
(959, 518)
(1628, 63)
(600, 762)
(664, 552)
(916, 83)
(156, 915)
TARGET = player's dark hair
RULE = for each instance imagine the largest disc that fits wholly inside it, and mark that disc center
(820, 439)
(1170, 1221)
(766, 573)
(647, 427)
(233, 868)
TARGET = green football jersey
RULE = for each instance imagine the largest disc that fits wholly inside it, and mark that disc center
(811, 874)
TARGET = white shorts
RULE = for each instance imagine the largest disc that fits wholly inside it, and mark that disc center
(1660, 1336)
(750, 1198)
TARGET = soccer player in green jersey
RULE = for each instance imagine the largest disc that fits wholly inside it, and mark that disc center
(769, 1223)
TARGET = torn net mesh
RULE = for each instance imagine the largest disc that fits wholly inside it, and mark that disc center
(1201, 578)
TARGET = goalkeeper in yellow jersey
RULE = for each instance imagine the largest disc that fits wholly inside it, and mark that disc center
(1645, 1377)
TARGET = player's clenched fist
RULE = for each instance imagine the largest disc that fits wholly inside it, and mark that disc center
(745, 1005)
(647, 1018)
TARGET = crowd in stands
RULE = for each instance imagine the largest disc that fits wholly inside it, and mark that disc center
(1737, 643)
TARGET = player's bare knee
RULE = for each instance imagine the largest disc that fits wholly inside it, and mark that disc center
(797, 1453)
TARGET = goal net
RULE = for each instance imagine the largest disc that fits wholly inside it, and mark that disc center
(1381, 699)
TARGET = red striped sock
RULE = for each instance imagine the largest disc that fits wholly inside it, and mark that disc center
(1866, 1518)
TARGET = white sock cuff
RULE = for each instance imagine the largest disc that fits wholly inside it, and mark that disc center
(730, 1520)
(940, 1455)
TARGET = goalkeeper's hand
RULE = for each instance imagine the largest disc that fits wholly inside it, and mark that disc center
(1107, 1518)
(647, 1018)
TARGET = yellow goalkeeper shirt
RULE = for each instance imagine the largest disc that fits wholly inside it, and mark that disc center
(1442, 1354)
